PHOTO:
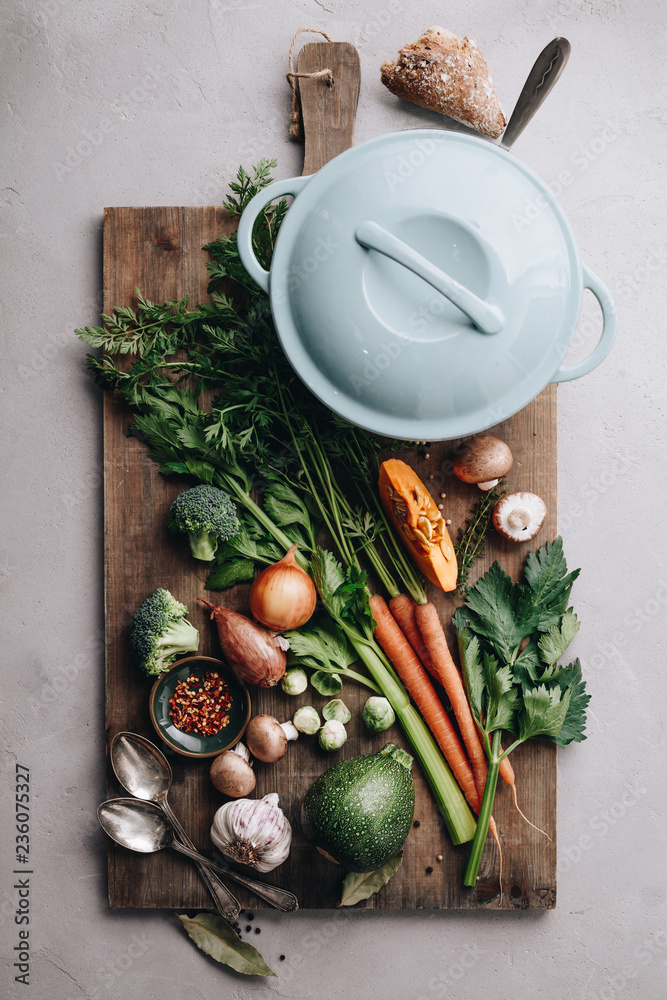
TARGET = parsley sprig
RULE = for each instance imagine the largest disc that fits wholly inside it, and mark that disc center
(511, 637)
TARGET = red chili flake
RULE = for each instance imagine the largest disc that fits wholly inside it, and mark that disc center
(200, 705)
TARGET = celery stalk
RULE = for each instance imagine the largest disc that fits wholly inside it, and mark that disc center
(458, 818)
(470, 877)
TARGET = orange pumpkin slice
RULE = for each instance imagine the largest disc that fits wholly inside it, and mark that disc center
(420, 525)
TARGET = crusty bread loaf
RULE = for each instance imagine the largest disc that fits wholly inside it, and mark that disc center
(447, 74)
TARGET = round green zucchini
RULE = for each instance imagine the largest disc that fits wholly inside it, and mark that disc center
(359, 812)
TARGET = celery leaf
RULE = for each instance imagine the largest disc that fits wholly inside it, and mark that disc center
(502, 612)
(573, 729)
(471, 667)
(549, 582)
(552, 644)
(543, 713)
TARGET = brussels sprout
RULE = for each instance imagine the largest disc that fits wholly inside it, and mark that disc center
(332, 735)
(306, 720)
(378, 714)
(337, 710)
(294, 681)
(326, 683)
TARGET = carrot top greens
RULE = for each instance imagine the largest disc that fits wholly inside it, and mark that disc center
(511, 638)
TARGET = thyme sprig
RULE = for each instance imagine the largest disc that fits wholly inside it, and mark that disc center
(472, 536)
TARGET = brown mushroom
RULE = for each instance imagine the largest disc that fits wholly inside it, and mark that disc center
(232, 774)
(519, 516)
(483, 460)
(267, 739)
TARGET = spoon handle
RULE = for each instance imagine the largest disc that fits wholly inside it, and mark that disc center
(280, 898)
(225, 901)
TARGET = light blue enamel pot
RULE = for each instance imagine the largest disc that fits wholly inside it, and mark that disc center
(425, 285)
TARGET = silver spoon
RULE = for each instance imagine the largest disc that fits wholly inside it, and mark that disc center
(140, 826)
(144, 771)
(547, 68)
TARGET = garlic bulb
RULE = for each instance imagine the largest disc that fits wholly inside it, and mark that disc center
(253, 832)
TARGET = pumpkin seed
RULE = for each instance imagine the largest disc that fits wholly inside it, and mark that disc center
(433, 514)
(421, 537)
(390, 490)
(425, 526)
(446, 548)
(400, 510)
(407, 531)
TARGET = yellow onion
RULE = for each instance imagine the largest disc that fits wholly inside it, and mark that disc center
(283, 596)
(254, 654)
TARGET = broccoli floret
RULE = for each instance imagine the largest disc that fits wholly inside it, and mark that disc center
(207, 516)
(160, 632)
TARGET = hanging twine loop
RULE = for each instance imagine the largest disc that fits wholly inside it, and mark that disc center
(296, 119)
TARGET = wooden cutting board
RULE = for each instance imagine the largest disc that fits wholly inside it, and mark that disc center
(159, 251)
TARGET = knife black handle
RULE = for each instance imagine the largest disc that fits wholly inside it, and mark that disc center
(548, 67)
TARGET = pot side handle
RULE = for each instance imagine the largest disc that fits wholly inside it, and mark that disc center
(292, 185)
(607, 336)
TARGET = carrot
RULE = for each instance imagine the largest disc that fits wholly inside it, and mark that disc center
(433, 635)
(413, 675)
(506, 772)
(403, 610)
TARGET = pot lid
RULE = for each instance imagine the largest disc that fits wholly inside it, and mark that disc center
(425, 285)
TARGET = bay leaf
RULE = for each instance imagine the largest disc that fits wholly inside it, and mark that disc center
(217, 938)
(361, 885)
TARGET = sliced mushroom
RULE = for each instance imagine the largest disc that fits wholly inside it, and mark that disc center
(483, 460)
(267, 739)
(519, 516)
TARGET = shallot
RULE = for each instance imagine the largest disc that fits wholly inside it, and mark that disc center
(253, 652)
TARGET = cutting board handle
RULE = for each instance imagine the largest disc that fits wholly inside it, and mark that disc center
(328, 111)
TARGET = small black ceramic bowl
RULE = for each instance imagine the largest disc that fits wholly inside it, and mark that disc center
(194, 744)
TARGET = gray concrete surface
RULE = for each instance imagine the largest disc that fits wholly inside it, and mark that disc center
(130, 103)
